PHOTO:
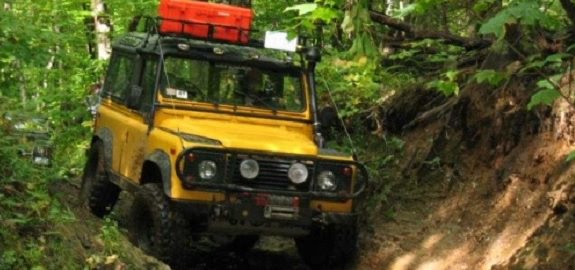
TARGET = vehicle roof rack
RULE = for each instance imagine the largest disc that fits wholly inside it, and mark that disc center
(151, 25)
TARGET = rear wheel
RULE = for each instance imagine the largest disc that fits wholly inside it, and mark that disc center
(329, 247)
(97, 192)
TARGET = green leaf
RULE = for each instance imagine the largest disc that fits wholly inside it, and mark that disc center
(414, 8)
(303, 9)
(496, 25)
(556, 58)
(325, 14)
(570, 157)
(545, 84)
(545, 96)
(445, 87)
(451, 75)
(490, 76)
(347, 24)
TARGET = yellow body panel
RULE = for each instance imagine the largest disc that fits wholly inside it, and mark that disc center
(133, 141)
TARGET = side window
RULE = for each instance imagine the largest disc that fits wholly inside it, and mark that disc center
(148, 83)
(119, 76)
(185, 79)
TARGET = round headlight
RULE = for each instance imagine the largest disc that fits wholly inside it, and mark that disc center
(298, 173)
(326, 181)
(207, 169)
(249, 169)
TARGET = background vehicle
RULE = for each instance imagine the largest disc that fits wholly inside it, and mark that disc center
(222, 138)
(33, 137)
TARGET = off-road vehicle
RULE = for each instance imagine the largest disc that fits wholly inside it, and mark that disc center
(32, 136)
(219, 138)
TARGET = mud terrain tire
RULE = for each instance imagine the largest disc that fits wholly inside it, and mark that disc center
(157, 228)
(97, 192)
(329, 247)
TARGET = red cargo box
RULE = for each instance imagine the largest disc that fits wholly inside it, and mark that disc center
(227, 23)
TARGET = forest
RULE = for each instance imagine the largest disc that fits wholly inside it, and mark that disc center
(463, 112)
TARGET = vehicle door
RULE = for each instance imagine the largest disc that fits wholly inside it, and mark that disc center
(113, 114)
(140, 104)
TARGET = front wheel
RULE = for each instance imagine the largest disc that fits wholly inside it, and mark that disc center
(157, 226)
(329, 247)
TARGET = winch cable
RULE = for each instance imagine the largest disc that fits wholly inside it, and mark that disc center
(353, 148)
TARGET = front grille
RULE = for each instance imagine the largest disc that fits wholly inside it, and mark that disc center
(273, 173)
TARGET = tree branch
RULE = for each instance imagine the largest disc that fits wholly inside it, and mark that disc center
(467, 43)
(569, 7)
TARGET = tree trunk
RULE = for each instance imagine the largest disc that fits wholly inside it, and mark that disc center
(102, 28)
(22, 84)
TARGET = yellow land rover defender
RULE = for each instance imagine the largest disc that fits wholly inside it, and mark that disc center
(215, 138)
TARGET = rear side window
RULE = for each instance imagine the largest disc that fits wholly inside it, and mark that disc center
(120, 74)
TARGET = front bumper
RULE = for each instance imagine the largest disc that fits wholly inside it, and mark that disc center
(261, 214)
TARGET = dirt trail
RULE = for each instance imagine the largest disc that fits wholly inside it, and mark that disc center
(482, 222)
(483, 185)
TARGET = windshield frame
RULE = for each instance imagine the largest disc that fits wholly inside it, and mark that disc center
(287, 69)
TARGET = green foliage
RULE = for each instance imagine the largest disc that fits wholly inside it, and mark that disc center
(303, 9)
(357, 84)
(547, 93)
(570, 157)
(46, 70)
(489, 76)
(526, 12)
(112, 237)
(447, 85)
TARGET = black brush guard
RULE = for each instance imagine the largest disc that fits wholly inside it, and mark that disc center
(358, 190)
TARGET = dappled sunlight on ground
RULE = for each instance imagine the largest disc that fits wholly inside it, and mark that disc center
(488, 219)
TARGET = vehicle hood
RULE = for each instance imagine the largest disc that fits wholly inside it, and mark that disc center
(279, 137)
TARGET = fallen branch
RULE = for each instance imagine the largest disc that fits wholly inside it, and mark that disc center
(431, 115)
(467, 43)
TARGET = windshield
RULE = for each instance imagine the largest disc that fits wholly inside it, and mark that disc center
(222, 83)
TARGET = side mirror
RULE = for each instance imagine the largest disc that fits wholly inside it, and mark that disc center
(135, 96)
(329, 121)
(328, 117)
(92, 102)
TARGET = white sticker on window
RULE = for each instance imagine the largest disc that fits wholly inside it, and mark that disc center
(182, 94)
(171, 91)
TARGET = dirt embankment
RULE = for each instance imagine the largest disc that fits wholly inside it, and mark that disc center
(483, 185)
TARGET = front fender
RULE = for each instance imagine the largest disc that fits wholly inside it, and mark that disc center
(162, 160)
(107, 138)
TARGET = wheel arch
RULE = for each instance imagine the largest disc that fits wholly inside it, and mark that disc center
(105, 136)
(157, 169)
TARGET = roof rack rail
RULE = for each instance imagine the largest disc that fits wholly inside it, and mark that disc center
(239, 3)
(203, 31)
